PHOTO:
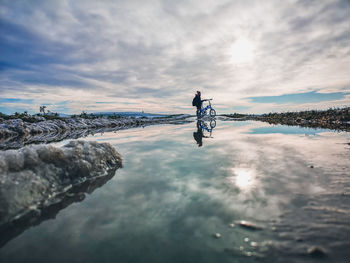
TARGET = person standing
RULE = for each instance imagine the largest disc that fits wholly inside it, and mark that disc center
(197, 102)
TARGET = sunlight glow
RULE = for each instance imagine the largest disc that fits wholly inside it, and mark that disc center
(242, 51)
(244, 178)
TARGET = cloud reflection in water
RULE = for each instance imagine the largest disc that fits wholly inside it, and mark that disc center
(172, 196)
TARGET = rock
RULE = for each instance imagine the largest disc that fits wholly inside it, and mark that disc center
(254, 244)
(35, 175)
(249, 225)
(217, 235)
(316, 252)
(249, 254)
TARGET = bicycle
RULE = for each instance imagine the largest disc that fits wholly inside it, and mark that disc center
(206, 127)
(204, 111)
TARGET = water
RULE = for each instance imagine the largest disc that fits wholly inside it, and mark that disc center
(172, 196)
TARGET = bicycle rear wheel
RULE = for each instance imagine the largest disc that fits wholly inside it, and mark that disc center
(212, 113)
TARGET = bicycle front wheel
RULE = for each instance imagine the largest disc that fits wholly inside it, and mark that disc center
(212, 113)
(212, 124)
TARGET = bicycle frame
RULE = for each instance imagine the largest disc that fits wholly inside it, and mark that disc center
(203, 111)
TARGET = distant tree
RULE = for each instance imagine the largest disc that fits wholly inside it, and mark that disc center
(84, 115)
(42, 109)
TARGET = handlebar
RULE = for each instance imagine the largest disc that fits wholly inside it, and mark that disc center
(207, 99)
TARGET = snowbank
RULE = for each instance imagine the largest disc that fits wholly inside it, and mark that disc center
(35, 177)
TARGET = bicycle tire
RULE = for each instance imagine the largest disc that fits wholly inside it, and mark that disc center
(212, 124)
(212, 113)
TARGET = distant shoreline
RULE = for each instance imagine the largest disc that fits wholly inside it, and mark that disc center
(335, 119)
(22, 128)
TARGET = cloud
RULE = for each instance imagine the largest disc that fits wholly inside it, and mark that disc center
(158, 53)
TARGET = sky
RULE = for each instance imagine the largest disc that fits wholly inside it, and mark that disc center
(249, 56)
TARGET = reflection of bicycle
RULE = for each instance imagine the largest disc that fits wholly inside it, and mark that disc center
(206, 127)
(204, 111)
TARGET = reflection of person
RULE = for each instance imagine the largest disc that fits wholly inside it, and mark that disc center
(198, 135)
(197, 101)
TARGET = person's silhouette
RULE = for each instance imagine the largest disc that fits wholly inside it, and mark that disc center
(198, 135)
(197, 102)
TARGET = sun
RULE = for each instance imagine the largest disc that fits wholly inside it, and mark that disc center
(242, 51)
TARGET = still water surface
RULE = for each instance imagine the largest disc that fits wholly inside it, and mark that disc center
(172, 196)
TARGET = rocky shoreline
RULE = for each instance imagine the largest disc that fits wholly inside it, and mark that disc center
(36, 179)
(16, 133)
(334, 119)
(317, 124)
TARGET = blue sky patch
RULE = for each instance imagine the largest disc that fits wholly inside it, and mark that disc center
(283, 129)
(15, 100)
(241, 108)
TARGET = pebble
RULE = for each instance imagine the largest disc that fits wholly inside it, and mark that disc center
(254, 244)
(217, 235)
(246, 239)
(299, 239)
(232, 225)
(311, 166)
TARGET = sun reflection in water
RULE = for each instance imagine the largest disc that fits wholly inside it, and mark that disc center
(243, 178)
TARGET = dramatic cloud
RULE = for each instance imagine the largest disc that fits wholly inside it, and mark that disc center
(153, 55)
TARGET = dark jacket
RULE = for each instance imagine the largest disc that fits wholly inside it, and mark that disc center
(197, 101)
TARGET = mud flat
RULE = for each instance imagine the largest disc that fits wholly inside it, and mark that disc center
(36, 182)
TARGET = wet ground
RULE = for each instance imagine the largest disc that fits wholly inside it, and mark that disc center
(184, 190)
